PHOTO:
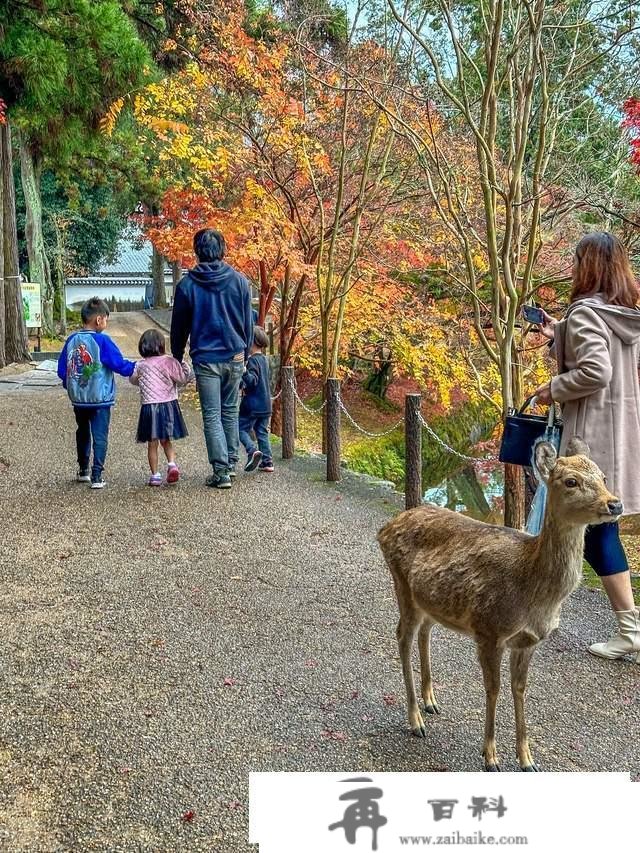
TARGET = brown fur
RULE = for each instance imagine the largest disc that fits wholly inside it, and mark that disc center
(500, 586)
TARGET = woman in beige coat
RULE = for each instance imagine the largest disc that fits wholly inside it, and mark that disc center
(597, 347)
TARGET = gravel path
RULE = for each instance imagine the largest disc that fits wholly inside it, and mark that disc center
(159, 644)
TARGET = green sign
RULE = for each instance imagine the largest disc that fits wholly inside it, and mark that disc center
(31, 304)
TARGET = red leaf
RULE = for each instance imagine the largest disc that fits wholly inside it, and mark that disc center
(389, 698)
(311, 663)
(234, 804)
(187, 816)
(355, 694)
(229, 682)
(331, 735)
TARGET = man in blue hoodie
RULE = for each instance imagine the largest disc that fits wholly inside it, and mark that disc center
(212, 307)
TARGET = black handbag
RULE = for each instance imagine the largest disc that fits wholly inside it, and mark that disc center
(522, 431)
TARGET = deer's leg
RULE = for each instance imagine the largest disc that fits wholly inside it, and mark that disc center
(407, 626)
(520, 659)
(424, 645)
(490, 656)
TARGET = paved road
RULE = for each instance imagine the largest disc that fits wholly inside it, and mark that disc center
(157, 645)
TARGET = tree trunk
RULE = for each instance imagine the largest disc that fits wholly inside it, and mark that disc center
(39, 270)
(2, 171)
(157, 272)
(176, 275)
(59, 299)
(16, 343)
(514, 497)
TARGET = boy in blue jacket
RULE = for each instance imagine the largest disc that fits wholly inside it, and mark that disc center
(255, 408)
(86, 366)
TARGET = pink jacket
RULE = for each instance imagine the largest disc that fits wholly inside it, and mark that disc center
(158, 377)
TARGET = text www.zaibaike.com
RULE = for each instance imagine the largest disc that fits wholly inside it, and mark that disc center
(460, 838)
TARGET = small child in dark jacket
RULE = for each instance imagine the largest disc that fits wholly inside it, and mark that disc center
(255, 408)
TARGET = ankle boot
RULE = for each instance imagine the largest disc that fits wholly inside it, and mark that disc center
(626, 641)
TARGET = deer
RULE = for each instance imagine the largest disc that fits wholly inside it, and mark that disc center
(501, 586)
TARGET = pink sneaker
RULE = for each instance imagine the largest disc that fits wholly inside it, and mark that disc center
(173, 474)
(155, 480)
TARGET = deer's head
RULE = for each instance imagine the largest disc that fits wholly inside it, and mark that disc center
(577, 487)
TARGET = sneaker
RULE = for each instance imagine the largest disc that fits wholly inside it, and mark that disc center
(266, 466)
(98, 484)
(232, 472)
(155, 480)
(173, 474)
(219, 481)
(253, 461)
(83, 476)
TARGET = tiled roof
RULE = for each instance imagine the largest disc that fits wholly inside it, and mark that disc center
(132, 257)
(110, 281)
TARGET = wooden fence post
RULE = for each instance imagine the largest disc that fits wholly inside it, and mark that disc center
(333, 430)
(288, 413)
(413, 451)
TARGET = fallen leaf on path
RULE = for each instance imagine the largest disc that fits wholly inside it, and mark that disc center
(389, 699)
(229, 682)
(187, 816)
(331, 735)
(234, 804)
(311, 663)
(355, 694)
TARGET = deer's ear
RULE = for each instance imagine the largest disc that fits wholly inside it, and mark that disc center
(544, 459)
(577, 447)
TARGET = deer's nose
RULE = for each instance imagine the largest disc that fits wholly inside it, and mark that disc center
(615, 507)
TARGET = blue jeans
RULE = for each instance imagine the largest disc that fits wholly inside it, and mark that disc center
(219, 391)
(93, 427)
(260, 426)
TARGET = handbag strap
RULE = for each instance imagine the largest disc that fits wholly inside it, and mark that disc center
(526, 404)
(552, 417)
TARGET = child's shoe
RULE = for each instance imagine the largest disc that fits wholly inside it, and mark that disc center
(173, 474)
(98, 484)
(266, 465)
(253, 461)
(83, 476)
(155, 480)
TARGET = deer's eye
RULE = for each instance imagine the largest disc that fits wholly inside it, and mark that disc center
(570, 483)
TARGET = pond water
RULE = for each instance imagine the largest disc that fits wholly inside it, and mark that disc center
(478, 494)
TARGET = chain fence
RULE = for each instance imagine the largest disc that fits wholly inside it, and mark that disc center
(475, 460)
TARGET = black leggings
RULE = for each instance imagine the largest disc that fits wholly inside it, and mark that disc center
(603, 550)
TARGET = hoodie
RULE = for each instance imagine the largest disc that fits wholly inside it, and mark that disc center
(212, 307)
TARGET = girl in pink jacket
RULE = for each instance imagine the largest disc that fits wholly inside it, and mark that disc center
(161, 421)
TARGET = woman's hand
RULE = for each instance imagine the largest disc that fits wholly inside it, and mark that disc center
(548, 327)
(543, 394)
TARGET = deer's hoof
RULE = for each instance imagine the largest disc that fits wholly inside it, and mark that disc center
(432, 708)
(419, 731)
(530, 768)
(492, 768)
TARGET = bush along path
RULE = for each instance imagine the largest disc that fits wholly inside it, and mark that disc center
(160, 644)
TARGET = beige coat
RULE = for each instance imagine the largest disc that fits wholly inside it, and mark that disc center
(597, 348)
